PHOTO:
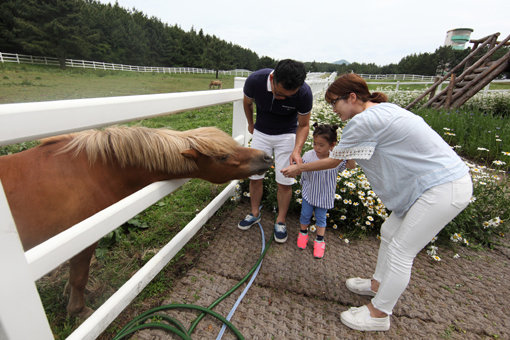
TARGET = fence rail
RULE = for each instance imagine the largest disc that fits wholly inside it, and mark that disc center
(412, 77)
(99, 65)
(398, 83)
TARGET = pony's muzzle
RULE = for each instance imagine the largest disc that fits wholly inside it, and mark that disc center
(265, 164)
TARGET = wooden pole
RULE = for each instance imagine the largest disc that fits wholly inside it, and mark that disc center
(449, 92)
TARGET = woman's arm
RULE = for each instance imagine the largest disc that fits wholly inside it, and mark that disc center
(351, 164)
(321, 164)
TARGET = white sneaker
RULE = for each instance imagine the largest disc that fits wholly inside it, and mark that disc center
(359, 318)
(360, 286)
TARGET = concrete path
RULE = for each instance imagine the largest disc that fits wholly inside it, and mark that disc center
(298, 297)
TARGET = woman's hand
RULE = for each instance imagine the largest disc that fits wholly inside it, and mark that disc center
(291, 170)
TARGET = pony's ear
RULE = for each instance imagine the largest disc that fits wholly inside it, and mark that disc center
(190, 153)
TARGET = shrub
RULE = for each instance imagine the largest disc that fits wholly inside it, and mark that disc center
(491, 103)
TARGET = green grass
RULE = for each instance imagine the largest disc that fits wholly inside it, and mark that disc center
(30, 83)
(472, 133)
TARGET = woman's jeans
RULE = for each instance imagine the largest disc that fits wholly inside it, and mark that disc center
(403, 237)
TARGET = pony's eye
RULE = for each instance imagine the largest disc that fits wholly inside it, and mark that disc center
(223, 158)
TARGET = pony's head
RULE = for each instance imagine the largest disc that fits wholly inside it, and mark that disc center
(206, 152)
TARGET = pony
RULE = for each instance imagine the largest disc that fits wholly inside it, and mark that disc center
(215, 83)
(68, 178)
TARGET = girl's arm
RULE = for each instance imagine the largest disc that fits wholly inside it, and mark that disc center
(321, 164)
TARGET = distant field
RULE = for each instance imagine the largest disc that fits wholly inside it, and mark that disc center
(30, 83)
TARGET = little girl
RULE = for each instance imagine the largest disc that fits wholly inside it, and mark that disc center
(319, 187)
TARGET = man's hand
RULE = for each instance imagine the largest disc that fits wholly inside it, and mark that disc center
(251, 127)
(295, 158)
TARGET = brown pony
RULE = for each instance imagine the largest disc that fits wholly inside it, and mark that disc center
(68, 178)
(215, 83)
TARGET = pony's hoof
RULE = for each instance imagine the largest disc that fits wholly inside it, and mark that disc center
(83, 314)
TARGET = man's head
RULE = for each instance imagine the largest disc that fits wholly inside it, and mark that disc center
(288, 76)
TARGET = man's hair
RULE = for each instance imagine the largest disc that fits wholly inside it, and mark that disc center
(290, 74)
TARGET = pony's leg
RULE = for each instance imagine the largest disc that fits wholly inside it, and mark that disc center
(78, 277)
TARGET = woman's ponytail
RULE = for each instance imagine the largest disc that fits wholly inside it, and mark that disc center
(378, 97)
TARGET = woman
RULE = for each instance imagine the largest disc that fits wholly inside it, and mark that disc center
(415, 173)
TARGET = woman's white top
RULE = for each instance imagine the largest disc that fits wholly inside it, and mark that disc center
(401, 155)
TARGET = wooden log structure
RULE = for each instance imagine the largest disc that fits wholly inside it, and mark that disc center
(479, 70)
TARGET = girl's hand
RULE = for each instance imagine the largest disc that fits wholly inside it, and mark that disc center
(291, 171)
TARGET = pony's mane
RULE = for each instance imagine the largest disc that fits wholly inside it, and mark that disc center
(152, 149)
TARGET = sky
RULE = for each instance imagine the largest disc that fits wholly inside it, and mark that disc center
(364, 31)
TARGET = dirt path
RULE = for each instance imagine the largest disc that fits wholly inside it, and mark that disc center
(298, 297)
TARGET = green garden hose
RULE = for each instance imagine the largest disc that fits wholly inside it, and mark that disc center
(178, 328)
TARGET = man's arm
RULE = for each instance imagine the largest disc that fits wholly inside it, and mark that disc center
(301, 135)
(248, 112)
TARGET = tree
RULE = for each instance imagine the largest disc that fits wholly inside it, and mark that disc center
(50, 28)
(266, 62)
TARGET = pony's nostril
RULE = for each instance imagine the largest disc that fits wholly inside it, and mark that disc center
(268, 158)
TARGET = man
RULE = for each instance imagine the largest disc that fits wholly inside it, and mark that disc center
(284, 102)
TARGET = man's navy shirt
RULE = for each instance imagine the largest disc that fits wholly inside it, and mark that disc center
(275, 117)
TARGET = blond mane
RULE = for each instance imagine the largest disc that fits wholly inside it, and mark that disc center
(152, 149)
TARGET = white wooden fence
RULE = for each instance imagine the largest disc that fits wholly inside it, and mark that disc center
(99, 65)
(319, 82)
(22, 315)
(395, 86)
(21, 312)
(413, 77)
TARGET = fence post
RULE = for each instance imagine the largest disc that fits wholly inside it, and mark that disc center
(398, 84)
(486, 88)
(20, 300)
(239, 123)
(1, 57)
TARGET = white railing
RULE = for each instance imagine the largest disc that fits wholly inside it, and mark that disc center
(395, 86)
(319, 82)
(20, 302)
(99, 65)
(398, 77)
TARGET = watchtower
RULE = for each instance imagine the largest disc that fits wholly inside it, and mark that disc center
(457, 38)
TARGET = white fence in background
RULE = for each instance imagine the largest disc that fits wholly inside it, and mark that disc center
(395, 86)
(20, 302)
(99, 65)
(319, 82)
(412, 77)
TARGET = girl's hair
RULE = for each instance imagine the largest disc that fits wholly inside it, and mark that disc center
(353, 83)
(326, 131)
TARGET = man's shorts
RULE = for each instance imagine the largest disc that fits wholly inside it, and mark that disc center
(280, 147)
